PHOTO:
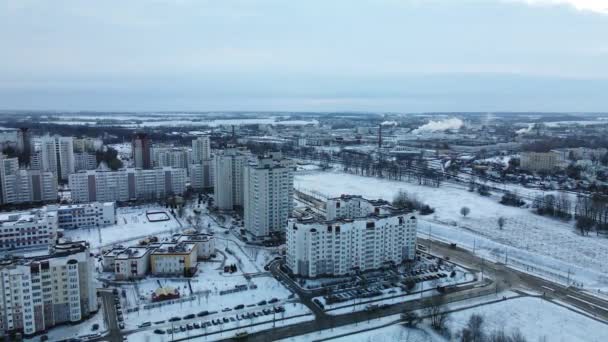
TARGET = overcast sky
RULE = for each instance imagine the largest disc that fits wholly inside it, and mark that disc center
(313, 55)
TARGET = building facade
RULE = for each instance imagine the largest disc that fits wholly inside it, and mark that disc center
(33, 229)
(539, 161)
(88, 215)
(268, 195)
(84, 161)
(201, 149)
(57, 156)
(141, 147)
(41, 292)
(321, 247)
(174, 157)
(25, 186)
(127, 184)
(229, 168)
(202, 175)
(132, 263)
(174, 259)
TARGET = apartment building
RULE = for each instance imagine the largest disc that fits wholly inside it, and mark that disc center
(31, 229)
(202, 175)
(25, 186)
(84, 161)
(57, 155)
(142, 156)
(268, 195)
(351, 206)
(46, 290)
(201, 149)
(127, 184)
(170, 156)
(87, 144)
(539, 161)
(229, 165)
(349, 242)
(87, 215)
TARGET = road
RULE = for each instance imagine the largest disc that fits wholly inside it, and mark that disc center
(509, 278)
(504, 278)
(109, 311)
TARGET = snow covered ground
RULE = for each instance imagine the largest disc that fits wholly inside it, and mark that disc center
(72, 331)
(178, 121)
(382, 331)
(131, 223)
(545, 243)
(537, 319)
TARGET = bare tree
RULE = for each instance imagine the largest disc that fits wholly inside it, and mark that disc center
(436, 314)
(473, 332)
(464, 211)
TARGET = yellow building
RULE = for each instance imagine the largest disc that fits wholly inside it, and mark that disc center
(174, 259)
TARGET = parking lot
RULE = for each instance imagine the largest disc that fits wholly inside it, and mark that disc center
(427, 273)
(179, 324)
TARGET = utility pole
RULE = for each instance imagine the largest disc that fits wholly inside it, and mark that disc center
(430, 241)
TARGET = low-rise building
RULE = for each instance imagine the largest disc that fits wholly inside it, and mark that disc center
(174, 259)
(88, 215)
(31, 229)
(132, 263)
(178, 256)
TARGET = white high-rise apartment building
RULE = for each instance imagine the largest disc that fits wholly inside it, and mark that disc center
(36, 228)
(268, 195)
(127, 184)
(57, 155)
(346, 244)
(201, 149)
(174, 157)
(43, 291)
(24, 186)
(84, 161)
(229, 165)
(201, 169)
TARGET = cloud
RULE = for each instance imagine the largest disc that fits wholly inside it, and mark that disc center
(598, 6)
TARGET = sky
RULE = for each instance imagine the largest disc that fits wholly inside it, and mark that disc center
(315, 55)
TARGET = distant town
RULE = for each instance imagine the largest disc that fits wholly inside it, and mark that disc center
(300, 226)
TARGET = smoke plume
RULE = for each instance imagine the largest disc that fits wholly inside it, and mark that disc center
(441, 125)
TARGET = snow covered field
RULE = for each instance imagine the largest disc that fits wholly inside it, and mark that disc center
(383, 331)
(131, 223)
(130, 121)
(540, 241)
(537, 319)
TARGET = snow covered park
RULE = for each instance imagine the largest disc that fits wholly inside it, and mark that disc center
(547, 244)
(132, 223)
